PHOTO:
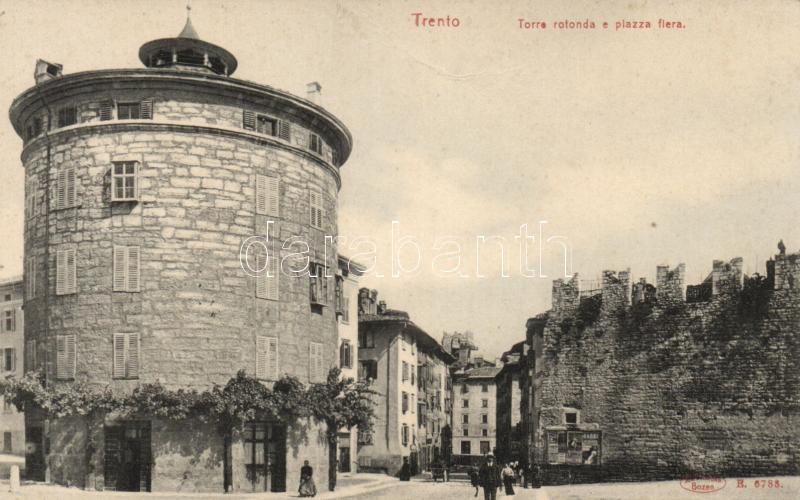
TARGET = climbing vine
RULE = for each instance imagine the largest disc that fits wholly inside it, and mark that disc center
(243, 398)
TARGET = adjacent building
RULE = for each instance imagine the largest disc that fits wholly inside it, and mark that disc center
(474, 413)
(393, 352)
(12, 423)
(347, 314)
(509, 398)
(141, 186)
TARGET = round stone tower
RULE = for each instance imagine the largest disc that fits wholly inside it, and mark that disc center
(141, 187)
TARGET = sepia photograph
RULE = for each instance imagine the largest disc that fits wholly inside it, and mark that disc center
(398, 249)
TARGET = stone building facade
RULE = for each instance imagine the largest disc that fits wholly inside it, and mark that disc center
(12, 359)
(434, 435)
(474, 414)
(641, 382)
(391, 349)
(347, 313)
(141, 187)
(509, 398)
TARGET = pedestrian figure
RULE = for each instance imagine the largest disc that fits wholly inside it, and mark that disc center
(526, 474)
(474, 479)
(405, 470)
(489, 478)
(508, 479)
(307, 486)
(536, 480)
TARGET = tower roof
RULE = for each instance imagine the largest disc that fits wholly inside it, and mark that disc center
(188, 30)
(187, 51)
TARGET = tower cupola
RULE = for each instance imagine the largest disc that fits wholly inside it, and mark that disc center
(187, 52)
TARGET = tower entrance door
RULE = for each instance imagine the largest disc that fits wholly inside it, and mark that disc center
(127, 456)
(265, 456)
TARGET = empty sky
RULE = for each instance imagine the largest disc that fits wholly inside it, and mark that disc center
(643, 147)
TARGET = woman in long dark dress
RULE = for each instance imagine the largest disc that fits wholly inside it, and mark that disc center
(307, 486)
(508, 479)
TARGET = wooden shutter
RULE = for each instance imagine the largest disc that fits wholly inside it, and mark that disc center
(119, 355)
(315, 202)
(61, 357)
(273, 196)
(120, 268)
(65, 272)
(146, 109)
(127, 264)
(132, 271)
(248, 120)
(346, 310)
(272, 281)
(71, 356)
(70, 187)
(272, 357)
(261, 194)
(71, 283)
(61, 189)
(105, 109)
(261, 277)
(61, 272)
(284, 131)
(133, 356)
(262, 353)
(30, 196)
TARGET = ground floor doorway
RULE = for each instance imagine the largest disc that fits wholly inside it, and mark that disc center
(265, 456)
(34, 452)
(128, 461)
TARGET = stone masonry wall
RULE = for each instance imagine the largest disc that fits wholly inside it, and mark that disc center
(196, 313)
(683, 388)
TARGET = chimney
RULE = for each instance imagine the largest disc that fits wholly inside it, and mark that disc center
(314, 92)
(46, 71)
(478, 361)
(382, 307)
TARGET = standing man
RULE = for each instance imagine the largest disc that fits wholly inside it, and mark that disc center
(489, 477)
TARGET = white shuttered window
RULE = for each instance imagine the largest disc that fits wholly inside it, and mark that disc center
(66, 357)
(126, 269)
(126, 355)
(30, 196)
(266, 358)
(315, 202)
(66, 279)
(267, 280)
(65, 188)
(267, 193)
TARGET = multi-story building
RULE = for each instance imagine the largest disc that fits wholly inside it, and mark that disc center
(434, 434)
(141, 186)
(474, 413)
(389, 349)
(347, 314)
(12, 423)
(509, 428)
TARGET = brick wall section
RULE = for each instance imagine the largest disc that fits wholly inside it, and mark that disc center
(708, 387)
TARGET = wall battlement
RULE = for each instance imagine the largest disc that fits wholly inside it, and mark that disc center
(726, 278)
(677, 385)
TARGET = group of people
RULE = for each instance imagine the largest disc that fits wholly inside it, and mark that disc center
(491, 476)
